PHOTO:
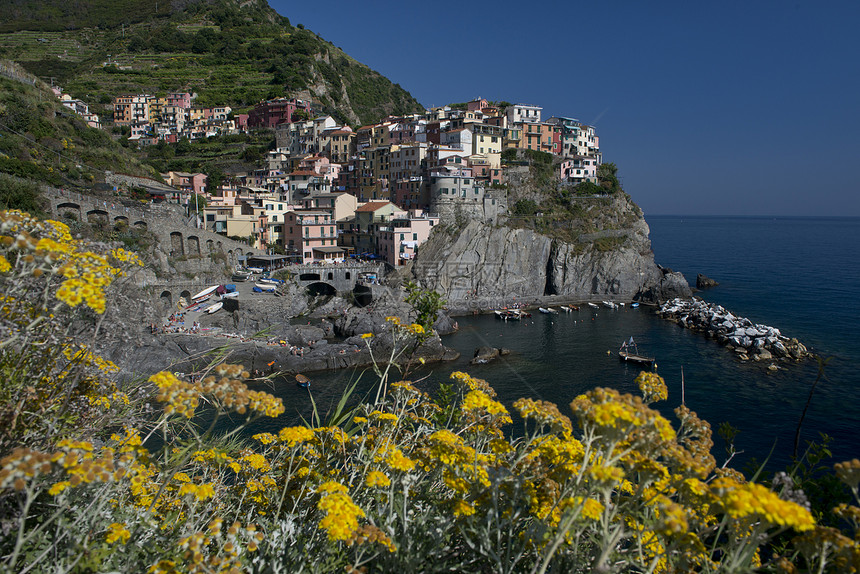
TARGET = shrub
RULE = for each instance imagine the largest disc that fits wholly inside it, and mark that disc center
(400, 483)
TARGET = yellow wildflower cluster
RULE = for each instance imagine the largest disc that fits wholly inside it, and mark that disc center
(47, 248)
(341, 513)
(755, 502)
(652, 386)
(183, 396)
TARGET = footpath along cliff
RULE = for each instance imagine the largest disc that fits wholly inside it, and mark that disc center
(603, 253)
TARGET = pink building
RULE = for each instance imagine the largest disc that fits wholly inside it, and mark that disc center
(194, 182)
(306, 231)
(179, 99)
(398, 242)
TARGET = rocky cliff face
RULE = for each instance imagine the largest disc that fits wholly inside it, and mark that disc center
(498, 264)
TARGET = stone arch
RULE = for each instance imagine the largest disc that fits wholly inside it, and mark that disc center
(210, 245)
(220, 247)
(330, 276)
(177, 248)
(362, 295)
(120, 221)
(166, 299)
(309, 277)
(321, 288)
(97, 217)
(230, 257)
(193, 245)
(348, 276)
(69, 210)
(186, 294)
(140, 224)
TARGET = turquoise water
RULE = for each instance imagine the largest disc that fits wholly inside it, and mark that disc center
(797, 274)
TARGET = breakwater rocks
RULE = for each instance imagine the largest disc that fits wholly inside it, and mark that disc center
(750, 341)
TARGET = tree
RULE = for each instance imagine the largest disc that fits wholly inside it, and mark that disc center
(607, 177)
(214, 178)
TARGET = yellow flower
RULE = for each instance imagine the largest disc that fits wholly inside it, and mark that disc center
(463, 508)
(293, 436)
(366, 335)
(117, 532)
(377, 479)
(4, 265)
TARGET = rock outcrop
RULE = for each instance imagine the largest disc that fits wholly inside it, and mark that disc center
(704, 282)
(482, 266)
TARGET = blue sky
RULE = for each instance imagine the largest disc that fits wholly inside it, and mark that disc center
(730, 108)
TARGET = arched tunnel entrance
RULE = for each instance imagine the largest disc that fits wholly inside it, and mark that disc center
(362, 295)
(321, 288)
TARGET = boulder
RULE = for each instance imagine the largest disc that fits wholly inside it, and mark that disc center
(485, 355)
(704, 282)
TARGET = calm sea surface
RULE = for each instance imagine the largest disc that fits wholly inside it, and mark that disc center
(801, 275)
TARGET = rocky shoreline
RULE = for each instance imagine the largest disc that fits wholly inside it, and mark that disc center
(749, 341)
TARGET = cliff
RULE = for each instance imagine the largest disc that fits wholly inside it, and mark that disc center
(479, 266)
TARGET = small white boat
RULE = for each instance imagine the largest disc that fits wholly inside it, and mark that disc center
(266, 286)
(232, 295)
(544, 310)
(609, 304)
(269, 281)
(213, 308)
(552, 310)
(592, 305)
(566, 309)
(205, 293)
(634, 305)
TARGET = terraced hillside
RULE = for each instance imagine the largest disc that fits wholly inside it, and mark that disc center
(227, 51)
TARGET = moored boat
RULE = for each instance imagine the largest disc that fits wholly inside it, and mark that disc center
(214, 307)
(630, 354)
(593, 305)
(205, 293)
(265, 286)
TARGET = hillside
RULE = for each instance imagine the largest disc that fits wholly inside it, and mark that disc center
(228, 52)
(42, 142)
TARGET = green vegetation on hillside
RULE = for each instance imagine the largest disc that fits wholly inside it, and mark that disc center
(43, 142)
(563, 211)
(229, 53)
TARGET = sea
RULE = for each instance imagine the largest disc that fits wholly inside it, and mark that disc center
(799, 274)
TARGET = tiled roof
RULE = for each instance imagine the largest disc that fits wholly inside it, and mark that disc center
(373, 205)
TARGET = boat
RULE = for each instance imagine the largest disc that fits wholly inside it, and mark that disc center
(214, 307)
(303, 381)
(544, 310)
(634, 305)
(573, 307)
(241, 276)
(205, 293)
(270, 281)
(609, 304)
(630, 354)
(265, 286)
(230, 295)
(566, 309)
(508, 314)
(592, 305)
(552, 310)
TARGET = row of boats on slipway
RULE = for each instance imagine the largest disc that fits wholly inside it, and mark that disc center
(223, 292)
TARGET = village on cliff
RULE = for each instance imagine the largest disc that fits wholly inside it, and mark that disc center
(328, 193)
